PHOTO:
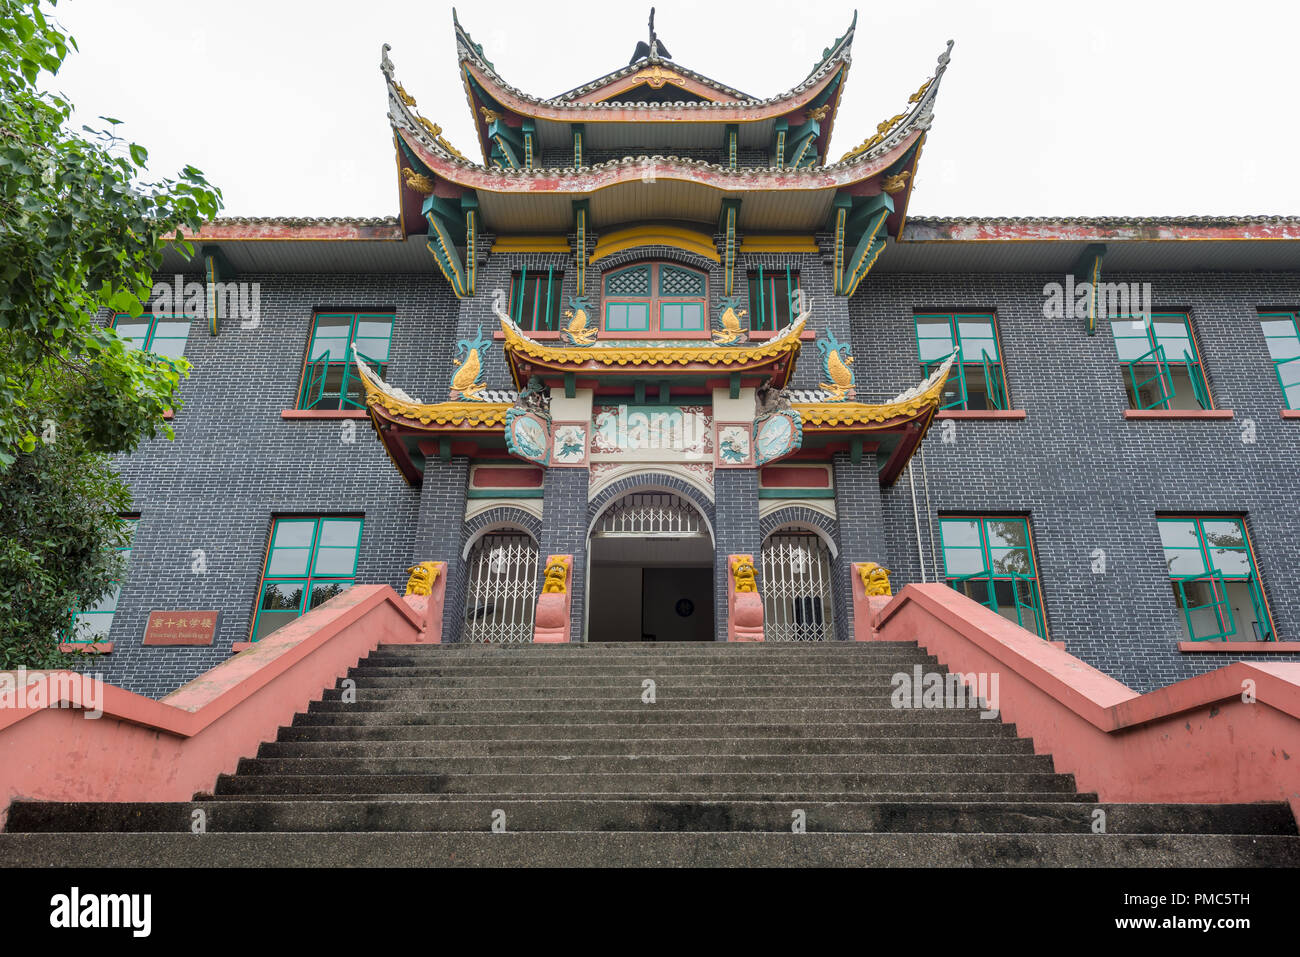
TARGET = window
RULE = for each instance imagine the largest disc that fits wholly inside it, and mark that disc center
(501, 589)
(535, 299)
(991, 560)
(798, 604)
(772, 298)
(977, 380)
(1212, 569)
(656, 299)
(310, 560)
(1162, 369)
(330, 380)
(162, 335)
(92, 623)
(1282, 333)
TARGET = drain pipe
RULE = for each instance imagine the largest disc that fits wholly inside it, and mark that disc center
(929, 514)
(916, 519)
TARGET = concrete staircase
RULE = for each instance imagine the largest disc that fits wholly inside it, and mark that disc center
(556, 748)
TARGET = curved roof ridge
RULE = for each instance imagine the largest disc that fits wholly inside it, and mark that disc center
(919, 117)
(467, 49)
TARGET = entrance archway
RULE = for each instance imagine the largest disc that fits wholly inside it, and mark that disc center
(650, 555)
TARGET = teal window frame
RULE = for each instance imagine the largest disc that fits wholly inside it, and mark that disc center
(1284, 350)
(772, 298)
(1153, 363)
(320, 363)
(655, 312)
(1199, 565)
(972, 356)
(539, 312)
(152, 338)
(105, 607)
(310, 578)
(993, 569)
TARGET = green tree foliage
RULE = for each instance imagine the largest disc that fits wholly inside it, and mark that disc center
(82, 230)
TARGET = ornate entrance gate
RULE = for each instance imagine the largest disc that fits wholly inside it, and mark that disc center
(798, 602)
(501, 589)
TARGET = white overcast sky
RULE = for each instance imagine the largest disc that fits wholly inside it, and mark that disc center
(1121, 107)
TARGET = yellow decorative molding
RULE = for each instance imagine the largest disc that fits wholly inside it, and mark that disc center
(615, 355)
(417, 181)
(778, 244)
(488, 416)
(742, 573)
(657, 76)
(616, 241)
(833, 414)
(893, 184)
(875, 580)
(531, 244)
(422, 578)
(557, 575)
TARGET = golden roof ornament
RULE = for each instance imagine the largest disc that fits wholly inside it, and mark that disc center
(893, 184)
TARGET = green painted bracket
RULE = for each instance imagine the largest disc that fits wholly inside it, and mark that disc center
(781, 132)
(581, 213)
(570, 385)
(529, 131)
(728, 220)
(734, 383)
(507, 143)
(216, 268)
(579, 129)
(452, 223)
(862, 225)
(732, 145)
(1089, 267)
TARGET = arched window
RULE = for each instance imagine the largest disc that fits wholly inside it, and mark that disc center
(798, 602)
(656, 299)
(501, 589)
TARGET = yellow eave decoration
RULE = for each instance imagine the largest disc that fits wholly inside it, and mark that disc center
(778, 244)
(786, 343)
(842, 414)
(482, 415)
(531, 244)
(618, 240)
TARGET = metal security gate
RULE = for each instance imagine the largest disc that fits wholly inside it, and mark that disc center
(650, 515)
(502, 589)
(796, 585)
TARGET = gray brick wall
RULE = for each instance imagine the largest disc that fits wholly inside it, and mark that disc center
(1084, 476)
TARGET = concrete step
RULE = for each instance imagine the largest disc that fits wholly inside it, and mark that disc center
(665, 708)
(441, 748)
(642, 849)
(842, 671)
(497, 686)
(621, 649)
(375, 727)
(634, 782)
(597, 700)
(334, 712)
(653, 763)
(798, 797)
(455, 814)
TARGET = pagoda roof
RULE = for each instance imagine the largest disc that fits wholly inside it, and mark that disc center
(702, 359)
(595, 96)
(683, 188)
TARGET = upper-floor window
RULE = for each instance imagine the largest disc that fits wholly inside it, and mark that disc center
(772, 295)
(1216, 585)
(1282, 333)
(1162, 368)
(990, 559)
(92, 622)
(310, 560)
(161, 335)
(656, 299)
(330, 380)
(977, 379)
(535, 299)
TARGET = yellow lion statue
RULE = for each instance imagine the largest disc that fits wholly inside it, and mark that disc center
(742, 570)
(875, 579)
(557, 575)
(422, 578)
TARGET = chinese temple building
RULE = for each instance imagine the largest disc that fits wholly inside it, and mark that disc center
(654, 360)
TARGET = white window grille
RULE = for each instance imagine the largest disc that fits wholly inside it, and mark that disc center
(502, 589)
(798, 601)
(650, 515)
